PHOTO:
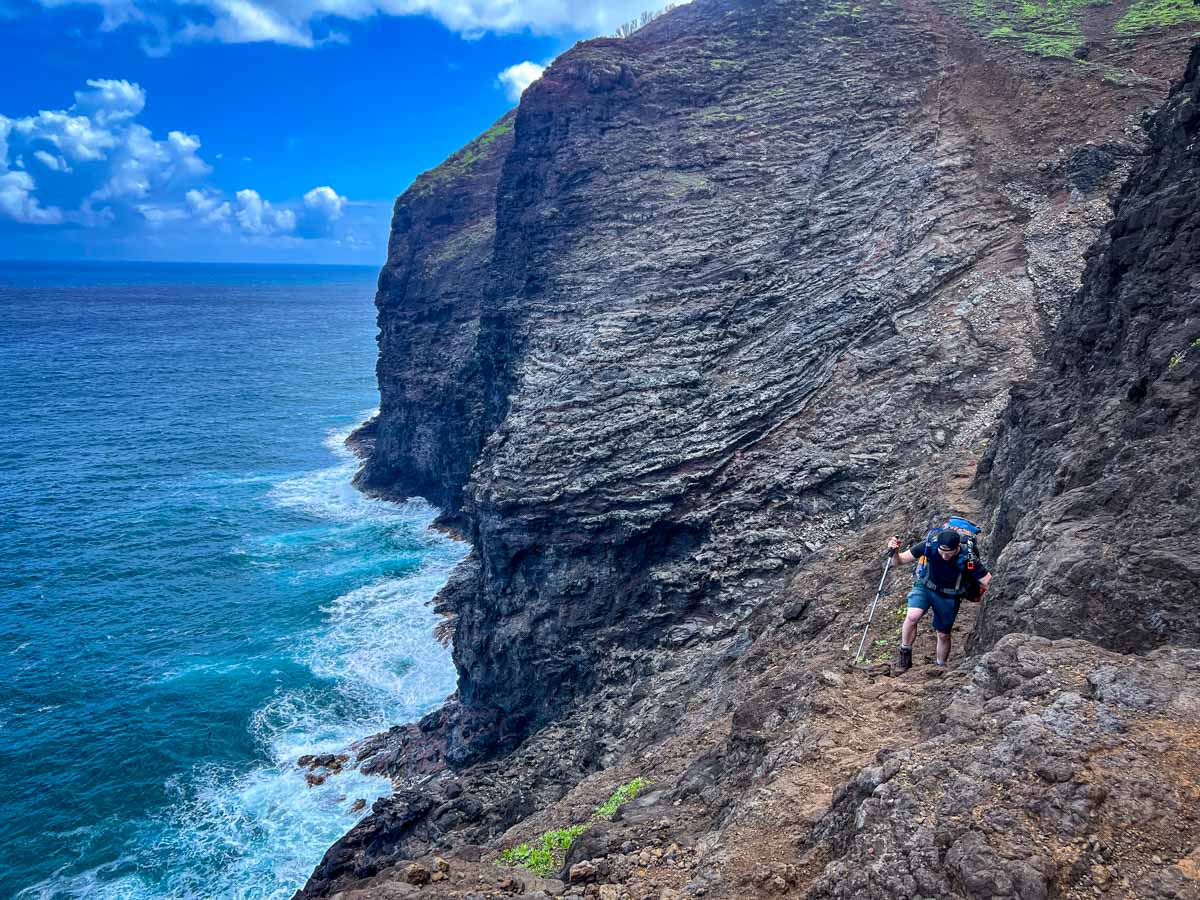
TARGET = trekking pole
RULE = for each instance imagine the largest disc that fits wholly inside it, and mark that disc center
(878, 595)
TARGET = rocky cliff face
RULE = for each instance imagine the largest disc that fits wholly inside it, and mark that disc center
(1092, 478)
(729, 302)
(432, 421)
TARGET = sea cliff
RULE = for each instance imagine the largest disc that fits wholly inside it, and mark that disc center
(677, 345)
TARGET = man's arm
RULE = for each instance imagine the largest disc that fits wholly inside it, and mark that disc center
(983, 582)
(903, 556)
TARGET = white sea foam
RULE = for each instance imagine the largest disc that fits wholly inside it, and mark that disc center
(258, 835)
(380, 641)
(328, 493)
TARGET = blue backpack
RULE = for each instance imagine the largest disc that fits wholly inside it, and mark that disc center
(968, 557)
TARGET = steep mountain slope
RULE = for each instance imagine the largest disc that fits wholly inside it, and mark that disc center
(727, 303)
(1092, 478)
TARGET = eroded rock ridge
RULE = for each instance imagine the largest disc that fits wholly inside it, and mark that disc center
(681, 341)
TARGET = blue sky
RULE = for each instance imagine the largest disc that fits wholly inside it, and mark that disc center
(250, 130)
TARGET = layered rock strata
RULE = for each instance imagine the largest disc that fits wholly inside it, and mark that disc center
(748, 268)
(756, 287)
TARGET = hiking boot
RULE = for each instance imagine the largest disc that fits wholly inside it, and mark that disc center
(905, 662)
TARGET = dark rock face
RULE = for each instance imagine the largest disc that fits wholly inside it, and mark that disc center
(727, 281)
(1042, 771)
(431, 423)
(733, 300)
(1092, 476)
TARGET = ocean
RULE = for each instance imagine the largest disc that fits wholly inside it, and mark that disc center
(192, 595)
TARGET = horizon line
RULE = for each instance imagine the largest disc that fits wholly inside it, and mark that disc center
(185, 262)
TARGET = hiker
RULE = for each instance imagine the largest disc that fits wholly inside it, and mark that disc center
(941, 583)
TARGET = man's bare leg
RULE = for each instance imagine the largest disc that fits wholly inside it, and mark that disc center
(943, 648)
(908, 631)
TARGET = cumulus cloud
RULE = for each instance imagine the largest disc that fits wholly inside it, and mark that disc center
(18, 203)
(93, 165)
(323, 206)
(258, 217)
(109, 100)
(516, 78)
(292, 21)
(209, 208)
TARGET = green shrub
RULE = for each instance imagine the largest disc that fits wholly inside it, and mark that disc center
(545, 855)
(623, 794)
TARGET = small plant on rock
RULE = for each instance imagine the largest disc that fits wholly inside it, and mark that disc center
(1180, 355)
(541, 857)
(623, 794)
(545, 855)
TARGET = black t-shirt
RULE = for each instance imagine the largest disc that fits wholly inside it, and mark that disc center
(942, 573)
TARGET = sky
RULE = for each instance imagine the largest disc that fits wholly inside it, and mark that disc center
(251, 130)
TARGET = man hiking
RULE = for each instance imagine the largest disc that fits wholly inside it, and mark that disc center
(941, 582)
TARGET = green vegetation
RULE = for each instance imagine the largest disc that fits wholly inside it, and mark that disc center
(878, 651)
(840, 9)
(545, 855)
(623, 794)
(541, 857)
(1044, 27)
(1150, 15)
(1053, 27)
(461, 161)
(1180, 355)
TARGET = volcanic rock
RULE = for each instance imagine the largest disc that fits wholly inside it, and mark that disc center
(678, 344)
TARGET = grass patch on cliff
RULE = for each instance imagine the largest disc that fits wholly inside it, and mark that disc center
(1152, 15)
(1044, 27)
(1054, 27)
(623, 794)
(545, 855)
(461, 161)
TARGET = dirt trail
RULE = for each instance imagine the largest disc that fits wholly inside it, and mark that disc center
(861, 709)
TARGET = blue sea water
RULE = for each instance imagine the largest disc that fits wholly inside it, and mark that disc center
(192, 595)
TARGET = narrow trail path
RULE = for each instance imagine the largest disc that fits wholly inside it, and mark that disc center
(861, 712)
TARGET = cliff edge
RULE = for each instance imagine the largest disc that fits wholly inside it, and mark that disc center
(678, 344)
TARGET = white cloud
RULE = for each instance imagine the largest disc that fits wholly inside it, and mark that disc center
(516, 78)
(99, 168)
(17, 200)
(323, 206)
(18, 203)
(209, 208)
(51, 162)
(243, 22)
(257, 217)
(140, 165)
(77, 138)
(161, 215)
(110, 100)
(291, 21)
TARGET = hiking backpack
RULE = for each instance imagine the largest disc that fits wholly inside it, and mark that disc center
(968, 557)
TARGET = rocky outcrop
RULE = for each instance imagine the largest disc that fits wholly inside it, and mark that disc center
(1092, 476)
(756, 286)
(733, 293)
(432, 422)
(1057, 770)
